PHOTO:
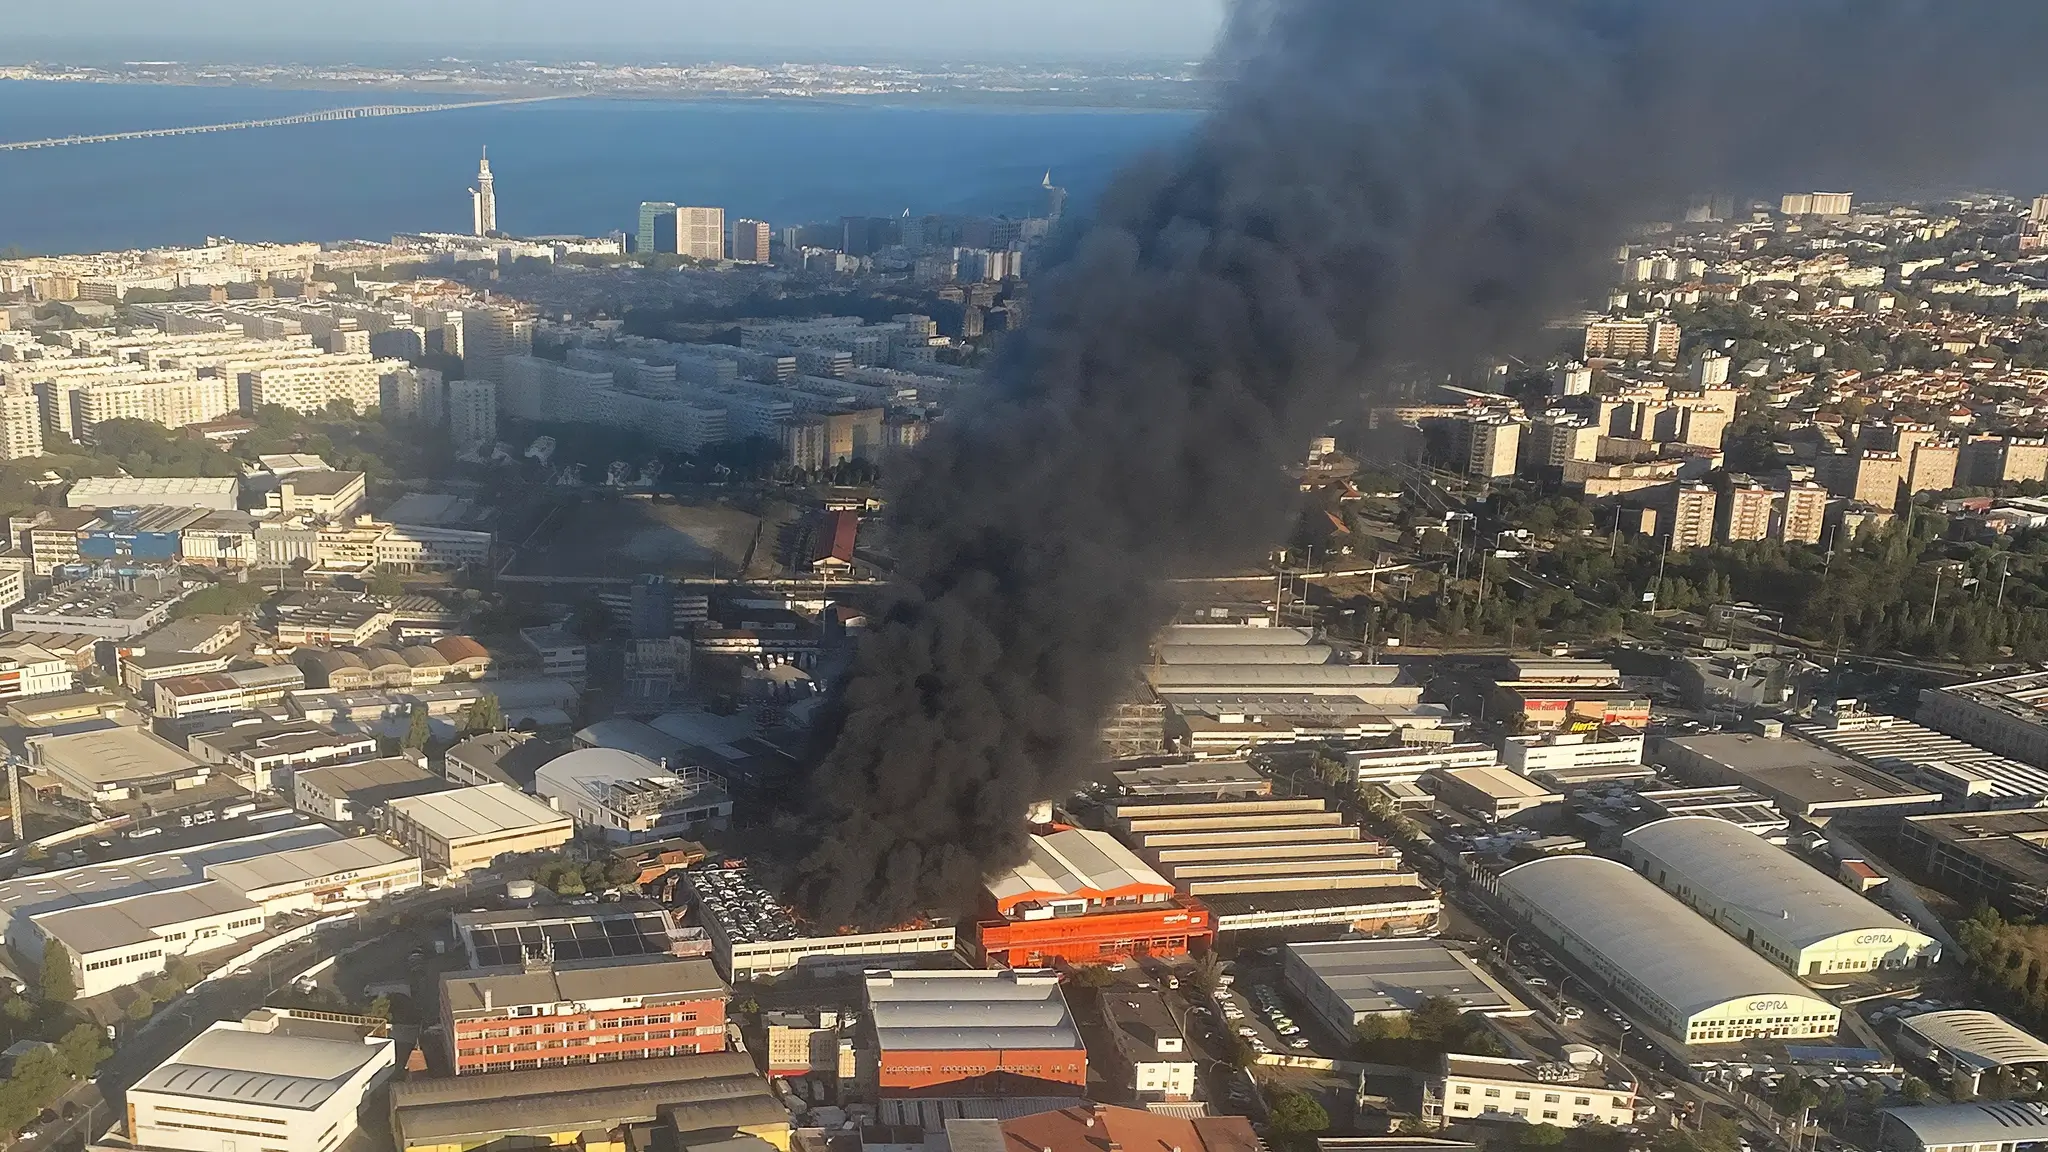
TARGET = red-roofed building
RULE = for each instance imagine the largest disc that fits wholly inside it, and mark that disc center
(1104, 1128)
(835, 542)
(1081, 897)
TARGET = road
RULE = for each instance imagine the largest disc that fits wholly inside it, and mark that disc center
(364, 112)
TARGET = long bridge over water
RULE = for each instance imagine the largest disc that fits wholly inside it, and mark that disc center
(358, 113)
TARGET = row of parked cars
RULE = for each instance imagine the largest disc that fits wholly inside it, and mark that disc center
(1270, 1009)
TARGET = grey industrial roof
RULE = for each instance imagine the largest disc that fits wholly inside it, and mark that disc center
(1252, 634)
(713, 1090)
(2004, 1122)
(1806, 775)
(384, 772)
(229, 1063)
(1906, 749)
(929, 1011)
(115, 880)
(304, 864)
(120, 923)
(1637, 928)
(1397, 975)
(1244, 654)
(650, 977)
(485, 810)
(1980, 1040)
(630, 736)
(1270, 677)
(1738, 868)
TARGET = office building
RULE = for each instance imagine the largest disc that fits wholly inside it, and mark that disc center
(700, 233)
(1990, 856)
(542, 1013)
(648, 239)
(1152, 1054)
(321, 494)
(483, 199)
(750, 241)
(176, 697)
(1081, 897)
(1492, 794)
(273, 1081)
(1638, 339)
(1816, 204)
(1563, 1095)
(271, 751)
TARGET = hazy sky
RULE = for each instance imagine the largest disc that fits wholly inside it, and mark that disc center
(1023, 29)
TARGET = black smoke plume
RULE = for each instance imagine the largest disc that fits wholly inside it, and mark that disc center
(1380, 180)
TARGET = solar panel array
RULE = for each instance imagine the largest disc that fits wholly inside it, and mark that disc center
(640, 933)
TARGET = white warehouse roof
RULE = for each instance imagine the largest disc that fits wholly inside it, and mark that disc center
(1979, 1040)
(968, 1010)
(482, 811)
(233, 1064)
(1076, 863)
(1742, 870)
(1637, 928)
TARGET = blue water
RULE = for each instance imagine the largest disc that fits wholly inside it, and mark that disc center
(579, 166)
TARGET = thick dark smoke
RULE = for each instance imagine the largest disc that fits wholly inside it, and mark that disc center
(1382, 179)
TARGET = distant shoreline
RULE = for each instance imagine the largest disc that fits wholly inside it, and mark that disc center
(1020, 99)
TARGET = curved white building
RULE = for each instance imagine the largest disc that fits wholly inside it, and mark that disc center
(1687, 978)
(1782, 908)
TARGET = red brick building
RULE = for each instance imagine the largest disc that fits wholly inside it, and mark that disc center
(1082, 897)
(972, 1034)
(542, 1016)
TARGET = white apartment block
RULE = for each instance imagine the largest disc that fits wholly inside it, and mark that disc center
(472, 412)
(357, 378)
(490, 336)
(21, 424)
(423, 546)
(26, 670)
(171, 403)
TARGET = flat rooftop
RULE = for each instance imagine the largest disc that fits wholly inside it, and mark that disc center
(114, 756)
(654, 979)
(294, 1065)
(486, 810)
(1796, 773)
(135, 920)
(305, 865)
(970, 1010)
(1388, 976)
(115, 880)
(633, 927)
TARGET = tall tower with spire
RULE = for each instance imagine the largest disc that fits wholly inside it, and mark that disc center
(483, 199)
(1055, 198)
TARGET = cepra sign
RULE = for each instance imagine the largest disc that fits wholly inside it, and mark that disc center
(1875, 938)
(1767, 1005)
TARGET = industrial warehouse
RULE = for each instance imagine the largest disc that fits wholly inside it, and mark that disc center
(1265, 862)
(1787, 912)
(1689, 979)
(1082, 898)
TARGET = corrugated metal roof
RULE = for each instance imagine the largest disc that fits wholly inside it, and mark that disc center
(1980, 1039)
(1738, 868)
(2006, 1122)
(1077, 863)
(928, 1011)
(1635, 927)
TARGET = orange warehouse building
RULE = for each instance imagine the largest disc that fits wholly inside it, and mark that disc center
(956, 1033)
(1082, 897)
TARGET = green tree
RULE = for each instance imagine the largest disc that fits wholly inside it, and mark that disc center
(141, 1008)
(57, 982)
(1205, 974)
(484, 715)
(387, 582)
(379, 1009)
(418, 731)
(1436, 1019)
(1915, 1090)
(82, 1049)
(1295, 1113)
(1542, 1136)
